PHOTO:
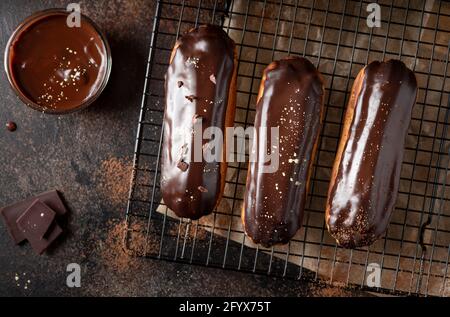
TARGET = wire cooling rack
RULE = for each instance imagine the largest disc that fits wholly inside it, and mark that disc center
(413, 256)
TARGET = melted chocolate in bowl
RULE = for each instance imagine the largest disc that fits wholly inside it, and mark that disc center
(55, 68)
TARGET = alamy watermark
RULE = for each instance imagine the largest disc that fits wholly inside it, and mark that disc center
(373, 278)
(208, 145)
(74, 277)
(374, 17)
(74, 18)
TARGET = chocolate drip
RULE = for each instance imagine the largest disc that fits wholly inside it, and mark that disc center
(193, 189)
(366, 173)
(291, 98)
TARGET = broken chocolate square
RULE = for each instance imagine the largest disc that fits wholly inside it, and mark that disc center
(36, 220)
(191, 98)
(183, 166)
(11, 213)
(40, 245)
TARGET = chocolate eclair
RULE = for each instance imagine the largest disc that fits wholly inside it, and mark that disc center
(290, 98)
(366, 173)
(200, 91)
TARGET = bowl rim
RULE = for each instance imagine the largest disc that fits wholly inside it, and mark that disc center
(28, 21)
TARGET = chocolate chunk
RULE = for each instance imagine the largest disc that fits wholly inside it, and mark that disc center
(180, 83)
(196, 118)
(202, 189)
(183, 166)
(40, 245)
(11, 126)
(36, 220)
(191, 98)
(11, 213)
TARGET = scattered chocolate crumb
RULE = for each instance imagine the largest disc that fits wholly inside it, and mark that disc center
(180, 83)
(212, 78)
(183, 166)
(202, 189)
(11, 126)
(191, 98)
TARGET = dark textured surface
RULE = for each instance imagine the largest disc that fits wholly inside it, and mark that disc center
(87, 157)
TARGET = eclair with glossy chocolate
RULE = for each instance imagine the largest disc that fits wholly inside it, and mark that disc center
(290, 98)
(366, 173)
(200, 91)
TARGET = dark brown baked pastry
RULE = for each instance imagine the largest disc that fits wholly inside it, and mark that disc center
(291, 98)
(200, 88)
(366, 172)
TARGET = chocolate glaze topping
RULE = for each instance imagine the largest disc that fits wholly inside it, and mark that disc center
(291, 98)
(366, 173)
(192, 189)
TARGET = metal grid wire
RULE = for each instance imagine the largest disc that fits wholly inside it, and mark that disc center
(414, 254)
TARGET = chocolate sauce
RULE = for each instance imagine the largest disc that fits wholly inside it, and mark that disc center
(366, 173)
(292, 99)
(192, 189)
(55, 67)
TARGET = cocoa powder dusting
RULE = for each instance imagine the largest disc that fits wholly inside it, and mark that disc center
(329, 291)
(115, 253)
(114, 179)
